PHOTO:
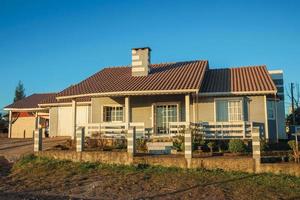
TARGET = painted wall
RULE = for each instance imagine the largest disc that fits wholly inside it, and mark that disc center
(83, 116)
(21, 125)
(140, 107)
(53, 122)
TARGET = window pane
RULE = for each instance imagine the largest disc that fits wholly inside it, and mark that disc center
(222, 111)
(111, 114)
(235, 110)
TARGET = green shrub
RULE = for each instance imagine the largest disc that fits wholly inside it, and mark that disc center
(211, 146)
(236, 146)
(264, 145)
(141, 145)
(292, 144)
(178, 143)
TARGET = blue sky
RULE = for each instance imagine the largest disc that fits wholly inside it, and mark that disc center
(49, 45)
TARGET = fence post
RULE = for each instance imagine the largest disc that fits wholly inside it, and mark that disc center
(131, 140)
(80, 139)
(188, 146)
(256, 147)
(38, 140)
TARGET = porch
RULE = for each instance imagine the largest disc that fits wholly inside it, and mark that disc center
(208, 130)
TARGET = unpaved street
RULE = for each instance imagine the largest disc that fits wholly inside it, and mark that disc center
(12, 149)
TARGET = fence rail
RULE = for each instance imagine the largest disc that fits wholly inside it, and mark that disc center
(113, 129)
(209, 130)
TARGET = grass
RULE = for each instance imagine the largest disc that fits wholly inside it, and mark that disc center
(44, 171)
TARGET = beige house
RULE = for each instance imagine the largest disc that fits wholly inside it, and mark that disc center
(25, 116)
(162, 99)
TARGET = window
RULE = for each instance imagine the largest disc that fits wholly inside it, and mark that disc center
(164, 115)
(113, 113)
(229, 110)
(271, 110)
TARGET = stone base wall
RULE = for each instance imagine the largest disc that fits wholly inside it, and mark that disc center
(241, 164)
(292, 169)
(108, 157)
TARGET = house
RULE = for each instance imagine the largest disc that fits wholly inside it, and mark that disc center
(25, 116)
(161, 99)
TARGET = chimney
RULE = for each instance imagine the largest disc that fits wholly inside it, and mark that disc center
(140, 61)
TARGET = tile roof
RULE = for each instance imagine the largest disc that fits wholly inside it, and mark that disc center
(242, 79)
(167, 76)
(31, 101)
(52, 100)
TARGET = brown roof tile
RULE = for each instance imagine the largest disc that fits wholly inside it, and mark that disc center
(31, 101)
(168, 76)
(242, 79)
(52, 100)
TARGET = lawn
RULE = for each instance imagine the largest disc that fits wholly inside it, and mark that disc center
(42, 178)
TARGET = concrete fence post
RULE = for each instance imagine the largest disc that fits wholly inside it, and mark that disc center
(80, 139)
(188, 146)
(131, 134)
(38, 140)
(256, 147)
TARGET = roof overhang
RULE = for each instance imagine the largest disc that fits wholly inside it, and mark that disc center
(130, 93)
(63, 104)
(25, 109)
(273, 92)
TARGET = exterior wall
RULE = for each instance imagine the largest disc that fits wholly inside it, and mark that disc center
(205, 109)
(97, 104)
(21, 125)
(281, 120)
(255, 107)
(53, 122)
(140, 107)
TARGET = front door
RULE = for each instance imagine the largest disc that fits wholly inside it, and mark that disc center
(164, 115)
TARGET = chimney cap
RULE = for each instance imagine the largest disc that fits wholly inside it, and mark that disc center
(142, 48)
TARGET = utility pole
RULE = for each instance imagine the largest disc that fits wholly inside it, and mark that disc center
(293, 105)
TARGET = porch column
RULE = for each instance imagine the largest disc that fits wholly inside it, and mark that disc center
(256, 147)
(9, 123)
(188, 146)
(74, 108)
(127, 110)
(38, 137)
(187, 108)
(80, 139)
(131, 141)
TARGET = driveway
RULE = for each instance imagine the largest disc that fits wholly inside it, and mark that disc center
(13, 149)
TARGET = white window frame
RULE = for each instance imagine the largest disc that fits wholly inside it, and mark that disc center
(153, 107)
(241, 100)
(113, 106)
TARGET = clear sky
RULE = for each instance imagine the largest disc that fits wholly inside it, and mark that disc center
(49, 45)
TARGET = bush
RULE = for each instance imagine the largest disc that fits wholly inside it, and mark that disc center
(178, 143)
(236, 146)
(264, 145)
(292, 144)
(211, 146)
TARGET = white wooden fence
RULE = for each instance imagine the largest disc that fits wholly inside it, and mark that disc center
(209, 130)
(112, 129)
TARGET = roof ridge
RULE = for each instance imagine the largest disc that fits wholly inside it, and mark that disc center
(239, 67)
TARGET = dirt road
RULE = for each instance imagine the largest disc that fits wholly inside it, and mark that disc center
(12, 149)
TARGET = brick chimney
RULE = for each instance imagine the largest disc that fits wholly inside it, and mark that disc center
(140, 61)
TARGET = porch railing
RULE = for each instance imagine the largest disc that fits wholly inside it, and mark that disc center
(112, 129)
(215, 130)
(209, 130)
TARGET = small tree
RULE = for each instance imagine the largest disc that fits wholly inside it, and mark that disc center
(211, 146)
(19, 92)
(236, 146)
